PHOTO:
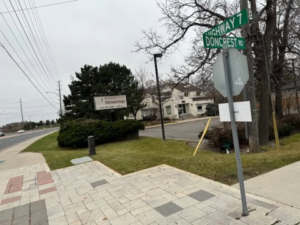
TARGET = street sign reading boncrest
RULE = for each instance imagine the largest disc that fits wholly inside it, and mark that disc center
(230, 24)
(224, 42)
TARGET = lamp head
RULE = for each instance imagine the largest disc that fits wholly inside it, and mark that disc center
(158, 55)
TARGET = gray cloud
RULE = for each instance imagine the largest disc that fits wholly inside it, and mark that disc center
(84, 32)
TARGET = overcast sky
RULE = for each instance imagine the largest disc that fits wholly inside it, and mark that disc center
(84, 32)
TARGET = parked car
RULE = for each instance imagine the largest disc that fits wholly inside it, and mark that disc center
(149, 118)
(21, 131)
(2, 134)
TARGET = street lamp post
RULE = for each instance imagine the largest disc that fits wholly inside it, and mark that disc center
(159, 98)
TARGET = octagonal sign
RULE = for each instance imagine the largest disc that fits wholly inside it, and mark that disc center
(238, 70)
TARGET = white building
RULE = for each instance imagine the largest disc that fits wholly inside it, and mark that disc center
(181, 101)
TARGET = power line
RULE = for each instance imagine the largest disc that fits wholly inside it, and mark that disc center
(35, 60)
(27, 75)
(38, 41)
(35, 40)
(24, 106)
(30, 42)
(44, 36)
(42, 6)
(31, 111)
(19, 56)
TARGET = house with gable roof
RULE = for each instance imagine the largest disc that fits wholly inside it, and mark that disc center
(179, 101)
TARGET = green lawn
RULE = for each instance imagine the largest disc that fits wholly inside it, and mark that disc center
(129, 156)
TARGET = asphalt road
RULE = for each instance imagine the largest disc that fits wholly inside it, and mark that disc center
(6, 142)
(182, 131)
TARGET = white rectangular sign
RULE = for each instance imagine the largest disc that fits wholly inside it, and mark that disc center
(242, 112)
(110, 102)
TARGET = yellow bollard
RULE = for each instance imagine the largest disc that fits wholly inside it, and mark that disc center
(276, 131)
(205, 131)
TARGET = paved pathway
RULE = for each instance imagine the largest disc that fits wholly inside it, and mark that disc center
(282, 185)
(93, 194)
(11, 158)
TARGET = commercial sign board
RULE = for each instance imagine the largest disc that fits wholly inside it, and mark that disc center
(242, 112)
(224, 42)
(229, 25)
(110, 102)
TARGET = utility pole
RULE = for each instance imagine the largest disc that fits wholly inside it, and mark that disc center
(21, 110)
(295, 82)
(159, 97)
(59, 98)
(250, 86)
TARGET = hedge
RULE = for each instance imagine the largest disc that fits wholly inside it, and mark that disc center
(74, 133)
(219, 135)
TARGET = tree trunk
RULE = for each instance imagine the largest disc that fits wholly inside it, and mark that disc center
(278, 100)
(264, 113)
(250, 87)
(263, 52)
(282, 51)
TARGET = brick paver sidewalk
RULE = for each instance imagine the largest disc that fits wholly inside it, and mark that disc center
(93, 194)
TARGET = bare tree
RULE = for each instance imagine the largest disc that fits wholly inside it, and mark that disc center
(273, 32)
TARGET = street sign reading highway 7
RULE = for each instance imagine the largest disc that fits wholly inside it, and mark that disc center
(230, 24)
(238, 67)
(224, 42)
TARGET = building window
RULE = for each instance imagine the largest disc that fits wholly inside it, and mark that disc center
(186, 94)
(198, 93)
(199, 108)
(148, 112)
(168, 108)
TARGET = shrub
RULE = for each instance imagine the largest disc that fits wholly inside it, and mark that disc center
(284, 129)
(220, 135)
(74, 134)
(293, 120)
(212, 109)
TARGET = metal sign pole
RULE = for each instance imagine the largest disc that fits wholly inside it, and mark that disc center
(234, 131)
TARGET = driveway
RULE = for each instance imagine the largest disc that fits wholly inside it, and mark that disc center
(182, 131)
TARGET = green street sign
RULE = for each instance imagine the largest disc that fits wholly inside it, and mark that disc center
(230, 24)
(224, 42)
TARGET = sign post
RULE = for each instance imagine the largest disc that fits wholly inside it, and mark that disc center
(231, 74)
(225, 56)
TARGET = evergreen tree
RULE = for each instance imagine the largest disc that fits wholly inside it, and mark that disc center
(106, 80)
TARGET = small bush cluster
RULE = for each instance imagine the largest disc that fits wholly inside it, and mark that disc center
(74, 134)
(220, 135)
(212, 109)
